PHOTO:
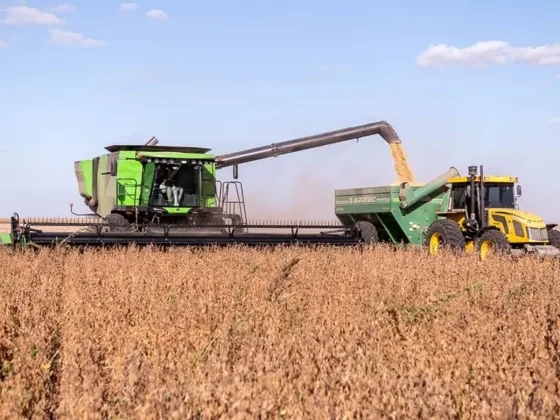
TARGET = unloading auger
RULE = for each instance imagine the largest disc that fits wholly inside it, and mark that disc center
(383, 128)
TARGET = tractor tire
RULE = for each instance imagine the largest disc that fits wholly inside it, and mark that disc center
(367, 232)
(491, 242)
(117, 223)
(554, 238)
(444, 233)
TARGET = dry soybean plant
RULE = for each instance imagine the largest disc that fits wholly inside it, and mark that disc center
(287, 332)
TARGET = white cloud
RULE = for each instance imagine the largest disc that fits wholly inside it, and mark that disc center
(3, 44)
(487, 53)
(544, 55)
(126, 7)
(65, 7)
(157, 14)
(554, 120)
(23, 15)
(72, 39)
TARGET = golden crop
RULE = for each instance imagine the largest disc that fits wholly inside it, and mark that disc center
(294, 333)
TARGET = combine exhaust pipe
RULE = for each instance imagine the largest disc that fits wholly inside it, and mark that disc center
(152, 142)
(383, 128)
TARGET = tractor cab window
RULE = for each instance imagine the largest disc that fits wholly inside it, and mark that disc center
(495, 196)
(499, 196)
(176, 185)
(459, 197)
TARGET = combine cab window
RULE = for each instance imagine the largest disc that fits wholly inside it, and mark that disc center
(176, 185)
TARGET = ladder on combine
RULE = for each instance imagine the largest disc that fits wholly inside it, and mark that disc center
(231, 199)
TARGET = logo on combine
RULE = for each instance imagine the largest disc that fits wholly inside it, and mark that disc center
(362, 199)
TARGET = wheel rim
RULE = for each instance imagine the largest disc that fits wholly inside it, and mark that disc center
(486, 248)
(435, 243)
(469, 247)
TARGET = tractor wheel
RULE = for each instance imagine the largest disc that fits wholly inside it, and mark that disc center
(367, 232)
(491, 242)
(554, 238)
(444, 233)
(117, 223)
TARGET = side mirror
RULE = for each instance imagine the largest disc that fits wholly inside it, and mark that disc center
(519, 190)
(235, 171)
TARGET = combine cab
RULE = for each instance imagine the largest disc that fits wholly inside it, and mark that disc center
(139, 185)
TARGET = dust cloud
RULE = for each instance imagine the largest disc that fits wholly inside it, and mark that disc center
(311, 196)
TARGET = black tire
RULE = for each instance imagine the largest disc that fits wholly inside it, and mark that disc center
(554, 238)
(496, 241)
(367, 232)
(447, 234)
(118, 223)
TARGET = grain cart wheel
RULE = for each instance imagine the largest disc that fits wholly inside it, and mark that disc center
(554, 238)
(491, 242)
(444, 233)
(367, 232)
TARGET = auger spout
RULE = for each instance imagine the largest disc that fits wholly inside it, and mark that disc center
(383, 128)
(410, 197)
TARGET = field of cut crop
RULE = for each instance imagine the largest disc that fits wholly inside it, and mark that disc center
(291, 333)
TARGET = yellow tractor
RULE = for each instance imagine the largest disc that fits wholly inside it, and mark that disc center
(482, 215)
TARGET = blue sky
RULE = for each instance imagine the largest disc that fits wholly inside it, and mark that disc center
(228, 75)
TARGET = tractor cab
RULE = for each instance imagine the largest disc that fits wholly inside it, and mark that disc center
(499, 192)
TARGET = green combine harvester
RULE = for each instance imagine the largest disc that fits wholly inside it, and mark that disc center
(167, 195)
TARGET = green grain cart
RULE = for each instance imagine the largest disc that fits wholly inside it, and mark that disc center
(393, 213)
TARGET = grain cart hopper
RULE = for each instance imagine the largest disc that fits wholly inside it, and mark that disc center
(449, 211)
(124, 187)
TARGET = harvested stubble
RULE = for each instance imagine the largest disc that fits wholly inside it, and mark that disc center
(294, 332)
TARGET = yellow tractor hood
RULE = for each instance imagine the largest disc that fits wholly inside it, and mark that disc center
(526, 217)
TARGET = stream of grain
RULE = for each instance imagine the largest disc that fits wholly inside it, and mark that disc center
(401, 163)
